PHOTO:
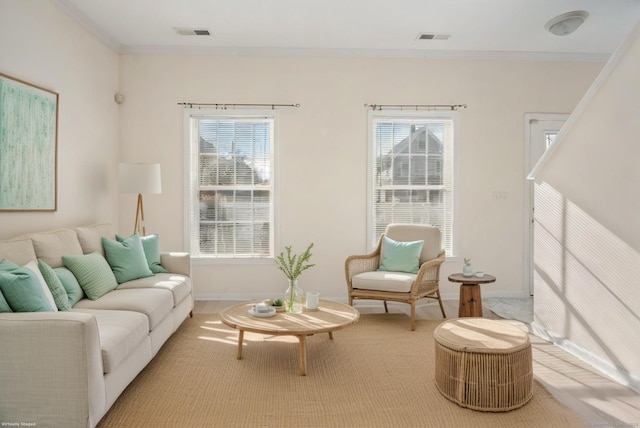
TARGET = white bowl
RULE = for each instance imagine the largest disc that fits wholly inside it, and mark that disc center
(262, 308)
(479, 274)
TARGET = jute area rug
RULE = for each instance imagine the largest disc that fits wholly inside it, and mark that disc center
(376, 373)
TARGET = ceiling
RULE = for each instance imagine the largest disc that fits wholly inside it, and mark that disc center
(476, 28)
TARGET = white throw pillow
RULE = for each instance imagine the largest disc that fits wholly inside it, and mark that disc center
(33, 266)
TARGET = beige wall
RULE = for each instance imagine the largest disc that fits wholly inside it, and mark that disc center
(587, 286)
(322, 151)
(41, 45)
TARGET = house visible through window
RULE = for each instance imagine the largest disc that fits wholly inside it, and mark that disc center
(231, 184)
(412, 172)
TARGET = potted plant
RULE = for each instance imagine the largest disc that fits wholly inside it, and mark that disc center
(278, 304)
(467, 270)
(293, 265)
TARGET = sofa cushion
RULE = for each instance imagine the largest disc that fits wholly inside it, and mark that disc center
(60, 296)
(155, 303)
(70, 284)
(384, 281)
(126, 258)
(22, 289)
(20, 251)
(93, 274)
(151, 246)
(90, 237)
(179, 285)
(121, 332)
(51, 246)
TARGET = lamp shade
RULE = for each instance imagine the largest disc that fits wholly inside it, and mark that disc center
(140, 178)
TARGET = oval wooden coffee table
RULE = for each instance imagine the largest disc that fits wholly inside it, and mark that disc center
(329, 317)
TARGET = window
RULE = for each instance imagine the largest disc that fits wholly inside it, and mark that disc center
(549, 138)
(412, 172)
(231, 184)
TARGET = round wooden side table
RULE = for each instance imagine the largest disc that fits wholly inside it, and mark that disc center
(470, 296)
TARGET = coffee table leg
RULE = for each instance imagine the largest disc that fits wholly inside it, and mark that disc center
(303, 355)
(330, 335)
(240, 339)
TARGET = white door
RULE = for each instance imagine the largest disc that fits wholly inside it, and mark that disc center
(540, 132)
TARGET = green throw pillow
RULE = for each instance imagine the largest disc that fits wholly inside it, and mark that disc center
(93, 274)
(151, 246)
(401, 256)
(21, 289)
(70, 284)
(60, 295)
(4, 305)
(126, 258)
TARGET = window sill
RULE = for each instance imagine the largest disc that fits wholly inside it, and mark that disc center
(211, 261)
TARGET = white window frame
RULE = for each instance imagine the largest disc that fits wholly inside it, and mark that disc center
(373, 115)
(191, 157)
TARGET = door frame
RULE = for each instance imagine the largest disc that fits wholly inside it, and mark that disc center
(529, 194)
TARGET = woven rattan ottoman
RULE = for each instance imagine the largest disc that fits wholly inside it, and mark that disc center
(483, 364)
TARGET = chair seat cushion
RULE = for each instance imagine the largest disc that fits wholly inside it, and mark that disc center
(399, 282)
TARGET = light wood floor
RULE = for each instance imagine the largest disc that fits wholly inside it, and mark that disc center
(597, 399)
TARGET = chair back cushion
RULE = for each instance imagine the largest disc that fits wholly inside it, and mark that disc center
(418, 232)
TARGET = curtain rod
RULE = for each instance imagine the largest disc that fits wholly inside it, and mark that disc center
(415, 106)
(226, 106)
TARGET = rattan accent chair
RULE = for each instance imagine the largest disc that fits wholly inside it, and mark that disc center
(365, 281)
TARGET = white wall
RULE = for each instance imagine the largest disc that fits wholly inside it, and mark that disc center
(41, 45)
(322, 151)
(587, 287)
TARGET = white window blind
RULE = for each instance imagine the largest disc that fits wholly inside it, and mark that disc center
(412, 172)
(231, 185)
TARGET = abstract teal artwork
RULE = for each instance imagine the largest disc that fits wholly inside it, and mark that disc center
(28, 144)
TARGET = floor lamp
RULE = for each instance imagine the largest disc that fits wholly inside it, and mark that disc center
(140, 178)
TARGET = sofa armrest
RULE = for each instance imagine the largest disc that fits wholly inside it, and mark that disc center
(51, 369)
(176, 262)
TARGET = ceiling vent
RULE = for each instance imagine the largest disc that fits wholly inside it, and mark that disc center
(192, 31)
(433, 36)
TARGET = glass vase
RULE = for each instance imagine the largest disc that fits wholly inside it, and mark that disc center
(294, 298)
(467, 271)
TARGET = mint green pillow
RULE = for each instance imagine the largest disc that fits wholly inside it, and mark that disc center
(60, 296)
(21, 289)
(70, 284)
(151, 247)
(400, 256)
(93, 274)
(126, 258)
(4, 305)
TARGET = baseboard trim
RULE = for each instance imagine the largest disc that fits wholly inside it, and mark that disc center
(618, 374)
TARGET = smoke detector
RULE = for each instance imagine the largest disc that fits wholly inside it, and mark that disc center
(566, 23)
(192, 31)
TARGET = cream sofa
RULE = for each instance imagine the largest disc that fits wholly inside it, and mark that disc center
(66, 369)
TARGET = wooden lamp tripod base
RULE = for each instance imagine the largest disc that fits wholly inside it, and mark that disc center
(139, 224)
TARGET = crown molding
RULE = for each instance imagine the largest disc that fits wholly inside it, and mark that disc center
(82, 19)
(361, 53)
